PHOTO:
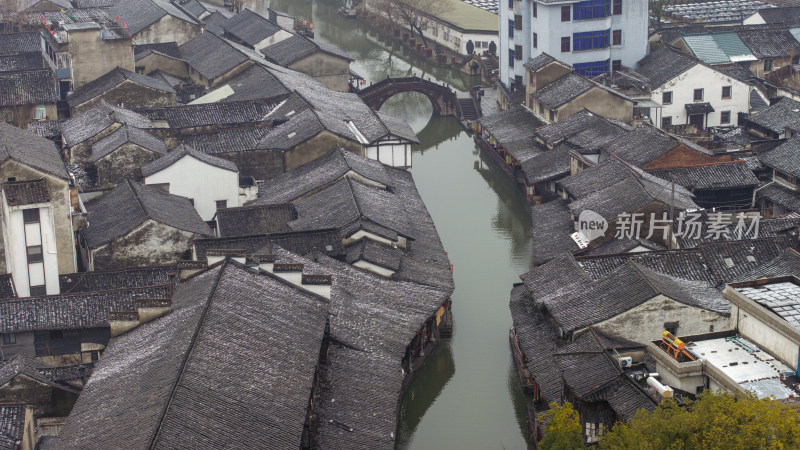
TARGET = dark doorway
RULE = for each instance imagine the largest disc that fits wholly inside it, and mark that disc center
(697, 120)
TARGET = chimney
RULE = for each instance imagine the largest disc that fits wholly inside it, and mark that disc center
(318, 284)
(292, 273)
(214, 256)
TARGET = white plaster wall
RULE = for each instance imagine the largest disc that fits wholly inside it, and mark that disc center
(274, 39)
(766, 337)
(16, 254)
(202, 182)
(374, 268)
(645, 322)
(711, 82)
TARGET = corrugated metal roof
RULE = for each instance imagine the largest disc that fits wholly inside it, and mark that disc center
(719, 48)
(706, 49)
(733, 47)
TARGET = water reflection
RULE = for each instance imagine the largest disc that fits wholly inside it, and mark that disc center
(483, 222)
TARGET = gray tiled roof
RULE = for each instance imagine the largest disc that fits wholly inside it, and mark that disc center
(769, 42)
(130, 204)
(98, 118)
(539, 61)
(117, 279)
(226, 141)
(255, 220)
(19, 193)
(12, 425)
(727, 175)
(184, 373)
(376, 253)
(780, 195)
(123, 135)
(254, 83)
(580, 122)
(182, 151)
(297, 130)
(786, 14)
(211, 56)
(21, 364)
(641, 145)
(72, 311)
(24, 61)
(785, 264)
(322, 171)
(215, 23)
(301, 243)
(552, 226)
(250, 27)
(548, 165)
(290, 50)
(111, 80)
(563, 90)
(19, 43)
(31, 87)
(170, 49)
(663, 65)
(210, 114)
(783, 113)
(140, 14)
(32, 150)
(785, 158)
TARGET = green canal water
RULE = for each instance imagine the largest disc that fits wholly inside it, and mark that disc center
(467, 396)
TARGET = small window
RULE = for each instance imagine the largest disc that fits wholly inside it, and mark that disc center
(511, 28)
(672, 327)
(511, 58)
(518, 22)
(34, 253)
(726, 92)
(222, 204)
(518, 52)
(30, 215)
(40, 113)
(510, 4)
(541, 109)
(38, 291)
(565, 44)
(698, 95)
(565, 14)
(56, 335)
(666, 122)
(95, 356)
(616, 37)
(9, 339)
(725, 117)
(534, 9)
(535, 40)
(552, 116)
(617, 8)
(666, 98)
(12, 178)
(616, 65)
(767, 65)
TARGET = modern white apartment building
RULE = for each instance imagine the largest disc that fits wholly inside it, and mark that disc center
(594, 36)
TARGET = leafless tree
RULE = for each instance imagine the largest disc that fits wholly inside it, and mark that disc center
(414, 14)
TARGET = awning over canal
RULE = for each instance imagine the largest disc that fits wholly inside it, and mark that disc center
(699, 108)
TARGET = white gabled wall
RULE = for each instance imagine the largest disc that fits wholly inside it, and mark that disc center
(202, 182)
(18, 236)
(711, 81)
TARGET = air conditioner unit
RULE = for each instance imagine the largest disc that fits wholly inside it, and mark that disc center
(624, 362)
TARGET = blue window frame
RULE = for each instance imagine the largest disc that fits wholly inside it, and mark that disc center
(511, 58)
(511, 28)
(590, 9)
(510, 4)
(591, 40)
(592, 69)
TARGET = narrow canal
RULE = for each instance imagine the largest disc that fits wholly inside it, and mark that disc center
(468, 395)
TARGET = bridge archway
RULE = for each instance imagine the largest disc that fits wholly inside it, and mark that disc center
(442, 98)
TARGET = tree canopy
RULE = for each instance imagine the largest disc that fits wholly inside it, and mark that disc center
(563, 430)
(715, 421)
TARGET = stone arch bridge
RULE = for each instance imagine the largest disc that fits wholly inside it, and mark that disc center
(444, 100)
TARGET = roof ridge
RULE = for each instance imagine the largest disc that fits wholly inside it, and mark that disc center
(138, 200)
(188, 354)
(719, 163)
(646, 278)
